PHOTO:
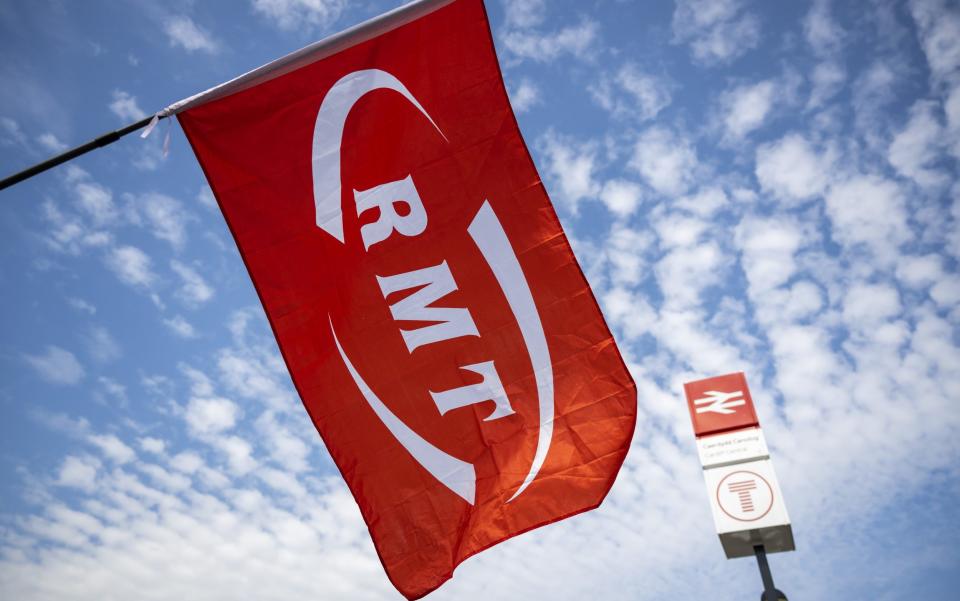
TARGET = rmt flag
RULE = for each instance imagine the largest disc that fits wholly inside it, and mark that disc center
(424, 297)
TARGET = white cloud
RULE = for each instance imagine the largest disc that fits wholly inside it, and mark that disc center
(916, 148)
(93, 200)
(238, 453)
(180, 326)
(113, 388)
(768, 246)
(283, 482)
(873, 90)
(746, 108)
(150, 154)
(239, 324)
(630, 313)
(806, 369)
(803, 300)
(791, 169)
(575, 40)
(624, 252)
(869, 210)
(167, 480)
(631, 93)
(211, 415)
(822, 32)
(524, 13)
(705, 202)
(524, 96)
(685, 272)
(286, 448)
(75, 428)
(157, 385)
(679, 230)
(682, 332)
(300, 14)
(717, 31)
(194, 289)
(57, 365)
(81, 305)
(51, 142)
(651, 94)
(867, 305)
(166, 217)
(666, 161)
(256, 376)
(102, 346)
(78, 472)
(621, 197)
(919, 271)
(200, 383)
(572, 165)
(186, 462)
(125, 106)
(827, 80)
(12, 134)
(69, 233)
(946, 292)
(96, 201)
(131, 265)
(132, 517)
(183, 32)
(112, 448)
(206, 199)
(152, 445)
(951, 107)
(939, 27)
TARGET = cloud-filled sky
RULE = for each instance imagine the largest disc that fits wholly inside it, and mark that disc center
(756, 186)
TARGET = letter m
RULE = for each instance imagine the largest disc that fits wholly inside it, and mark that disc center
(432, 283)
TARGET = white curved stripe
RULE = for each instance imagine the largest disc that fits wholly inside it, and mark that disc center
(459, 476)
(488, 234)
(328, 136)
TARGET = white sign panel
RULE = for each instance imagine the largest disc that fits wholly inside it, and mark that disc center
(745, 496)
(732, 447)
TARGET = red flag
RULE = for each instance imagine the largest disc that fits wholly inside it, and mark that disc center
(424, 297)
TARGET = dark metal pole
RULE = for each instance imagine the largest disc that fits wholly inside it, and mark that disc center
(103, 140)
(770, 593)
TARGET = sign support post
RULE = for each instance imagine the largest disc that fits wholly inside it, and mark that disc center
(770, 592)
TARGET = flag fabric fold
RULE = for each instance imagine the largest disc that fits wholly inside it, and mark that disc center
(427, 304)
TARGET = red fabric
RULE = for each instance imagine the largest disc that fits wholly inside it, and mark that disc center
(255, 149)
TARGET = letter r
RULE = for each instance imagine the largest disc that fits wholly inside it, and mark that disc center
(385, 197)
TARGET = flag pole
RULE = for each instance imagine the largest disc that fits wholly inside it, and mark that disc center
(99, 142)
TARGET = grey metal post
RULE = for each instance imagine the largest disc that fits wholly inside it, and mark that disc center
(770, 593)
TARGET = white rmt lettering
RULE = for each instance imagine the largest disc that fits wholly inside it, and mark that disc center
(434, 283)
(490, 389)
(386, 197)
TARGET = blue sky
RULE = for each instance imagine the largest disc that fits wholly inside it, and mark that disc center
(756, 186)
